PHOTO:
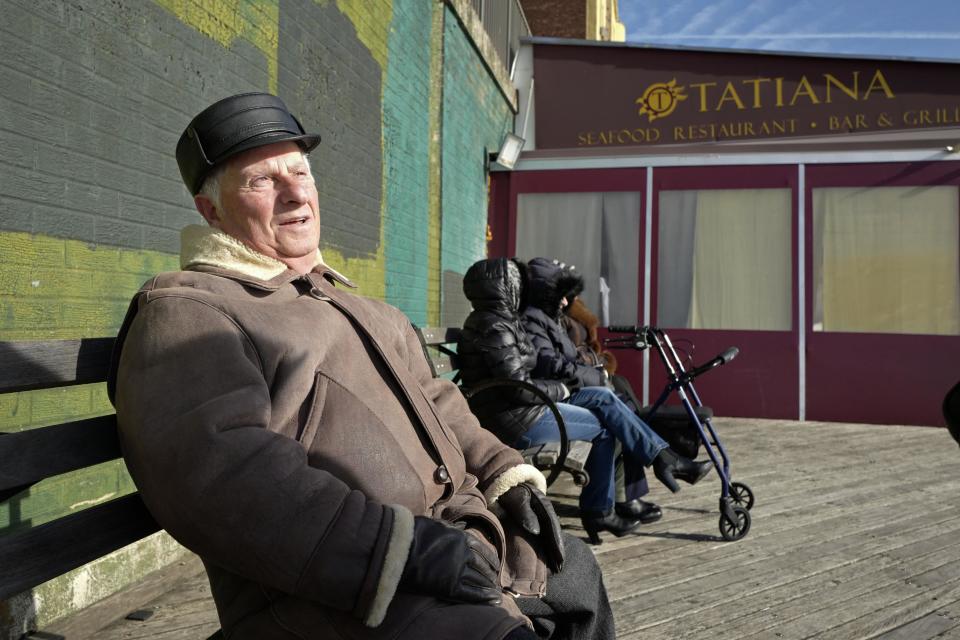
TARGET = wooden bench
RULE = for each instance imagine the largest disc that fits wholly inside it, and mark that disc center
(439, 345)
(38, 554)
(33, 556)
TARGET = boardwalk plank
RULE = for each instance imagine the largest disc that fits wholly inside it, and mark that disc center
(769, 607)
(184, 613)
(887, 608)
(731, 586)
(928, 627)
(856, 534)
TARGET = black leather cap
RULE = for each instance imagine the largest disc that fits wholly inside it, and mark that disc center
(232, 125)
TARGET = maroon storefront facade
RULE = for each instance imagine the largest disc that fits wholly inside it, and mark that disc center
(844, 142)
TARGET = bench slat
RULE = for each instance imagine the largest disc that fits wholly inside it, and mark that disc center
(27, 457)
(57, 363)
(441, 364)
(42, 553)
(435, 336)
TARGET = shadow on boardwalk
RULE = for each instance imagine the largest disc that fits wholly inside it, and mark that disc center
(855, 534)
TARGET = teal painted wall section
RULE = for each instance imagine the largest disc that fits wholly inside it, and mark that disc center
(475, 116)
(406, 143)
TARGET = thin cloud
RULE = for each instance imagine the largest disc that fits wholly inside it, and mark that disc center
(705, 17)
(744, 19)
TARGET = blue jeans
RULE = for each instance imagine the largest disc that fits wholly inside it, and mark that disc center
(598, 415)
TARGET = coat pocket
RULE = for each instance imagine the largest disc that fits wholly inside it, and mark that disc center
(315, 405)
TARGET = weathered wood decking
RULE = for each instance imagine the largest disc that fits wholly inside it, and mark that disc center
(855, 534)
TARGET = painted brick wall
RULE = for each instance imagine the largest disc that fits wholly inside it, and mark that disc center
(407, 142)
(475, 118)
(94, 96)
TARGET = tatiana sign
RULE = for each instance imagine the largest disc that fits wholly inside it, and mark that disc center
(589, 96)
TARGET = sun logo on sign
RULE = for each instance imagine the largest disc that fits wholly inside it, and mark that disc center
(660, 99)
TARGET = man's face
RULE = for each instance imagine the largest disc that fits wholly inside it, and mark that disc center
(269, 203)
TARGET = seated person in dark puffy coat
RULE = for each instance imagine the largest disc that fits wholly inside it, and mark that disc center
(495, 345)
(547, 285)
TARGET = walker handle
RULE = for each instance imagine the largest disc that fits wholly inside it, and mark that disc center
(721, 359)
(728, 355)
(625, 329)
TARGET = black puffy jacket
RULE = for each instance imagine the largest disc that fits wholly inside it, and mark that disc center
(494, 345)
(548, 282)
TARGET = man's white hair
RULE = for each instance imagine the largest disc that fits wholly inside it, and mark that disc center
(211, 184)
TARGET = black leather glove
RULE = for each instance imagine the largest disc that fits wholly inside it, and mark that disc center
(450, 564)
(532, 510)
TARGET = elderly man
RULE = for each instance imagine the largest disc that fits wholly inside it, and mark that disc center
(290, 432)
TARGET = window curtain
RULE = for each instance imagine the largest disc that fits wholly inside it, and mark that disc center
(598, 233)
(886, 260)
(724, 259)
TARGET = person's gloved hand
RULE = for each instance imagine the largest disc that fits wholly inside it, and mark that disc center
(450, 564)
(532, 510)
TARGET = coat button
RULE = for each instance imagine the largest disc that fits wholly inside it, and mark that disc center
(442, 475)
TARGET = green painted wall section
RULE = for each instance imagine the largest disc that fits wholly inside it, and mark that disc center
(406, 112)
(475, 117)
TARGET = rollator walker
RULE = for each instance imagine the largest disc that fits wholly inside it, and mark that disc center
(736, 498)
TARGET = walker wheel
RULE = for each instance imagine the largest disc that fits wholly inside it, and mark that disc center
(731, 530)
(742, 495)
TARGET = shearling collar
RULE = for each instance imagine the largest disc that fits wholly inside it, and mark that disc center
(202, 246)
(207, 249)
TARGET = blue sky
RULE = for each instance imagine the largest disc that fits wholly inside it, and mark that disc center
(895, 28)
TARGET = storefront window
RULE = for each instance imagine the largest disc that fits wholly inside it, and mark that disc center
(724, 259)
(598, 233)
(885, 260)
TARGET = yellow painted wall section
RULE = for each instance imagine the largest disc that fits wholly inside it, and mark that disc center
(55, 288)
(257, 21)
(367, 273)
(372, 22)
(436, 139)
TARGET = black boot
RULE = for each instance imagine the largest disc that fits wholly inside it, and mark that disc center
(645, 512)
(670, 467)
(594, 522)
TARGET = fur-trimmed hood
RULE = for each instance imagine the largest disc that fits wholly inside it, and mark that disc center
(548, 281)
